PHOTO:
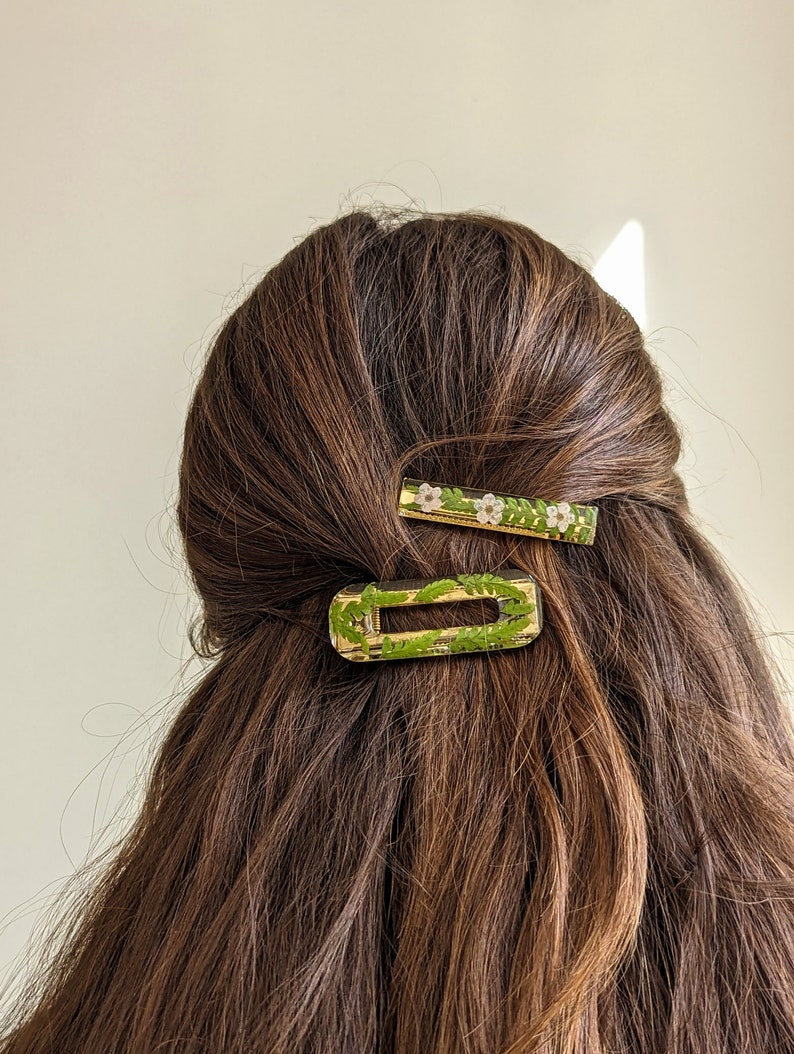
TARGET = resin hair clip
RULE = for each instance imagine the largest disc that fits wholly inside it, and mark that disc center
(354, 613)
(559, 521)
(356, 632)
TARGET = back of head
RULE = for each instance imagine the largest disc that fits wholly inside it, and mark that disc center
(582, 845)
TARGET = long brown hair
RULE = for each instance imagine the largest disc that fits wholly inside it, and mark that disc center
(578, 846)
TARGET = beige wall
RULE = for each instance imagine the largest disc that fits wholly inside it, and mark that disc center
(158, 154)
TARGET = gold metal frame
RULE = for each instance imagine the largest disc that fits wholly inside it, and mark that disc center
(354, 616)
(558, 521)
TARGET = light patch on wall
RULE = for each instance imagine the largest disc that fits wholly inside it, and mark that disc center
(620, 270)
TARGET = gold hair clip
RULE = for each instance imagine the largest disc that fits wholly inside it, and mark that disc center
(354, 616)
(559, 521)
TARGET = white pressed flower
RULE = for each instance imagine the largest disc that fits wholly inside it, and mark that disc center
(489, 508)
(429, 498)
(559, 516)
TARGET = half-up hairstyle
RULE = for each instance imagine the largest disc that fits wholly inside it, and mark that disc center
(580, 846)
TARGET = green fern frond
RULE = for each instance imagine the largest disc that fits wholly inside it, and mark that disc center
(385, 597)
(435, 589)
(409, 649)
(517, 607)
(491, 584)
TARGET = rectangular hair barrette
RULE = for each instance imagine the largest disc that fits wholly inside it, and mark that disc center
(356, 632)
(559, 521)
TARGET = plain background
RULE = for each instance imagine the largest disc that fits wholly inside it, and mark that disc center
(160, 155)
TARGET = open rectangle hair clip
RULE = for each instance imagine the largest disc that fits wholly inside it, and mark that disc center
(356, 633)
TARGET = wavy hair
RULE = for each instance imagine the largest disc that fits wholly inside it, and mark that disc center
(583, 845)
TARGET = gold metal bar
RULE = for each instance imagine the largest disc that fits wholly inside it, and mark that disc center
(354, 616)
(558, 521)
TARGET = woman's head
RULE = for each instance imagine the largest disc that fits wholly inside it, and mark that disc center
(462, 347)
(581, 845)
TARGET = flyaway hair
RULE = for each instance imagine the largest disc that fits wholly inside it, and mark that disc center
(580, 846)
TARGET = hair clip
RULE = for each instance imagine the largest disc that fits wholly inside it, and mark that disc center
(354, 616)
(559, 521)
